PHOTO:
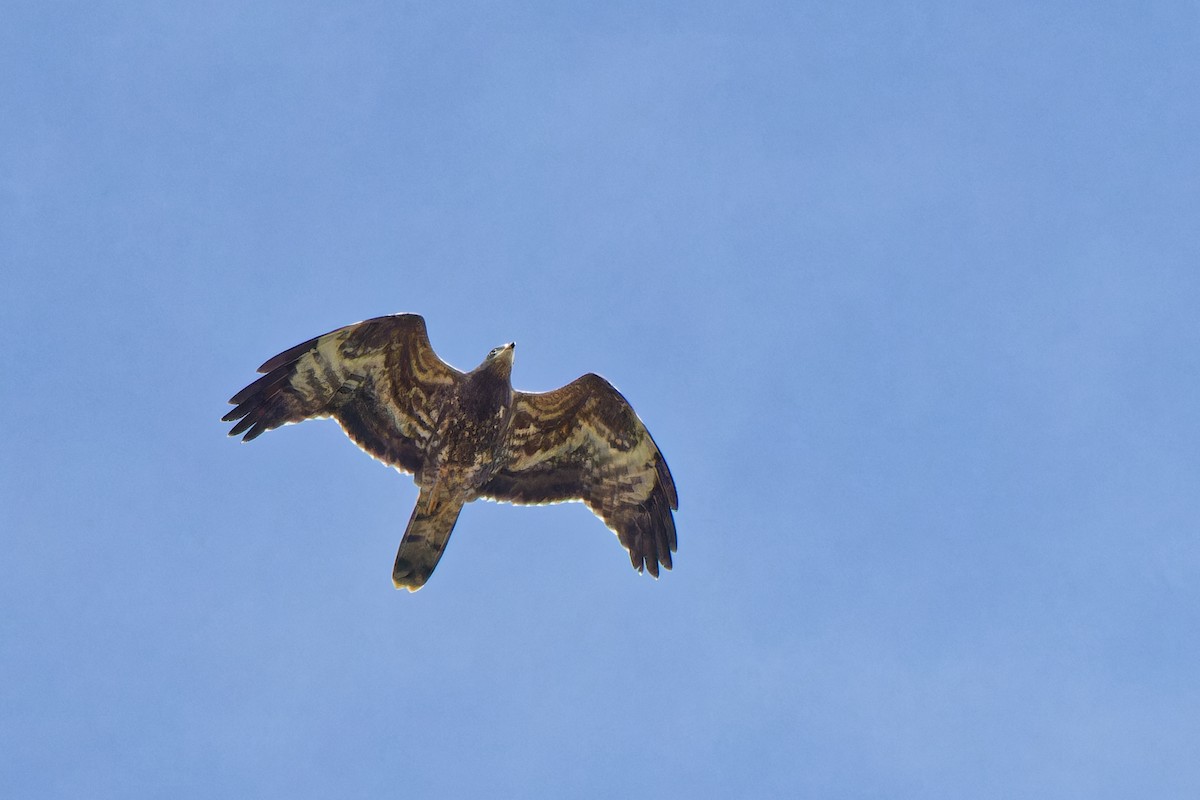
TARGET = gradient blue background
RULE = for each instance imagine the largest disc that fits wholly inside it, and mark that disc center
(907, 294)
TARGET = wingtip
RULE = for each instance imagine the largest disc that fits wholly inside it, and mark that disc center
(256, 430)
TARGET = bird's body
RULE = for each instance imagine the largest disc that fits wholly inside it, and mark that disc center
(470, 435)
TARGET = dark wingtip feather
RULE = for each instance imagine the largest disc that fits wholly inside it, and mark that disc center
(258, 429)
(261, 386)
(256, 401)
(242, 410)
(666, 481)
(242, 425)
(668, 525)
(666, 537)
(288, 356)
(660, 532)
(649, 536)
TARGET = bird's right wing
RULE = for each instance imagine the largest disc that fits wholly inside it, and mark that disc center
(380, 379)
(583, 441)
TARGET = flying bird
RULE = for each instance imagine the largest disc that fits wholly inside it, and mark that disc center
(470, 435)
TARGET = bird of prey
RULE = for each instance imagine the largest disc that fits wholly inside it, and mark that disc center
(470, 435)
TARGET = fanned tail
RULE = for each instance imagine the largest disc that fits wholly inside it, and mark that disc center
(424, 540)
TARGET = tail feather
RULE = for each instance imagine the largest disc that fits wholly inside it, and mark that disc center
(424, 540)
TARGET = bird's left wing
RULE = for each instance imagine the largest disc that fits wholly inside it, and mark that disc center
(584, 442)
(380, 379)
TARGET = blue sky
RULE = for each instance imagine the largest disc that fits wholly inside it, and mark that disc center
(906, 294)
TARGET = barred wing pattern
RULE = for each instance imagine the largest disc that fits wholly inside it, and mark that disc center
(380, 379)
(584, 442)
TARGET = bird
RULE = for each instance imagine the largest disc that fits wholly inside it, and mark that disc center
(465, 436)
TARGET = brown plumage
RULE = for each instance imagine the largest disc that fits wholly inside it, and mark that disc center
(470, 435)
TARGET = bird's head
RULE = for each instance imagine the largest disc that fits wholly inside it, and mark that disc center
(500, 359)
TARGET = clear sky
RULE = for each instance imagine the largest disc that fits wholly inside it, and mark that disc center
(907, 294)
